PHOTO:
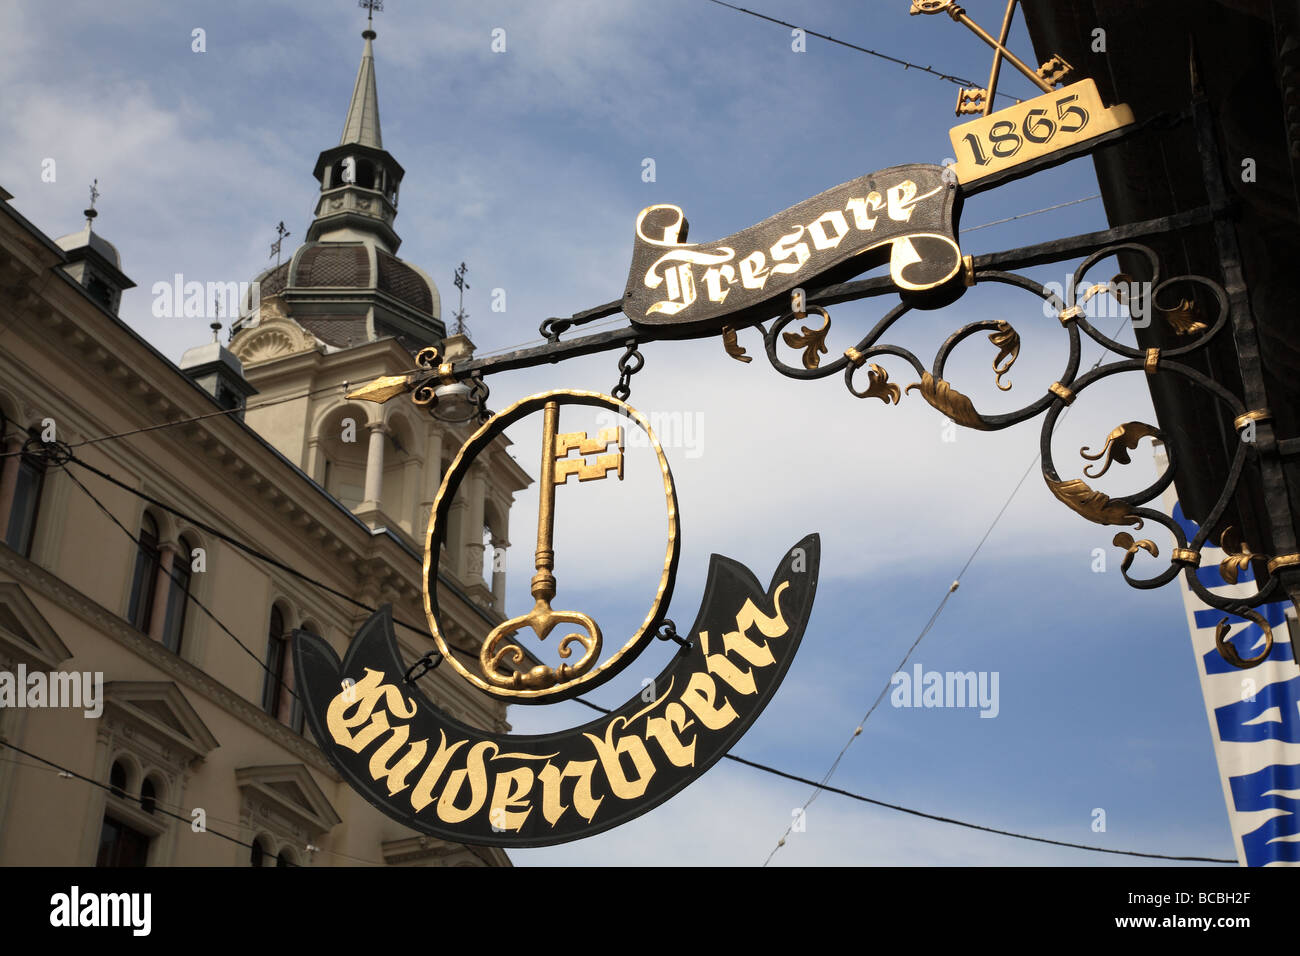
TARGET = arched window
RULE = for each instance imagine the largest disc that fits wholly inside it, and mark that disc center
(285, 859)
(148, 796)
(259, 853)
(145, 578)
(273, 687)
(29, 480)
(117, 779)
(293, 715)
(343, 444)
(178, 597)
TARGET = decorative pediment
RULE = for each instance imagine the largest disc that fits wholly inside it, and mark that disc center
(289, 792)
(159, 710)
(25, 635)
(430, 851)
(275, 336)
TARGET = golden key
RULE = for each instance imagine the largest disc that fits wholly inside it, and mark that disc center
(556, 468)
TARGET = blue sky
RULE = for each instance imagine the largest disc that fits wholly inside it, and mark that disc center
(528, 165)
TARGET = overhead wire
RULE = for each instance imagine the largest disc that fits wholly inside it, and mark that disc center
(195, 418)
(309, 849)
(821, 787)
(189, 821)
(905, 64)
(1033, 212)
(766, 768)
(189, 593)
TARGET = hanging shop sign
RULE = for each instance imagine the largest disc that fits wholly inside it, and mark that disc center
(434, 773)
(905, 216)
(437, 775)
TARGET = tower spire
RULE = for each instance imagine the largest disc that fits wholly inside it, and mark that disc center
(362, 123)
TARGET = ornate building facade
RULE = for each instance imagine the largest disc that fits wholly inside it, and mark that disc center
(170, 564)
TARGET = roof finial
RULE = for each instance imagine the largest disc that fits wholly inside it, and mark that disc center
(90, 213)
(371, 6)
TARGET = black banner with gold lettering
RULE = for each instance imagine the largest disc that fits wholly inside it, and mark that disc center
(905, 215)
(437, 775)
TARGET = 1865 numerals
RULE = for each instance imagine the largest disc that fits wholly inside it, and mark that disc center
(1006, 137)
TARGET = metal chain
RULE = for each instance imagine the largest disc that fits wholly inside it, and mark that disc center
(478, 394)
(631, 363)
(428, 662)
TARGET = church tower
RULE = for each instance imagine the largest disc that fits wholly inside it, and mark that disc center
(343, 309)
(345, 284)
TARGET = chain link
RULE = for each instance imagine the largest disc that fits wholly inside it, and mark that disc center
(631, 363)
(428, 662)
(478, 394)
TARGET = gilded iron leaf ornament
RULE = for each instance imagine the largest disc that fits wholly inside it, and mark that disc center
(1238, 555)
(1096, 506)
(1125, 540)
(1230, 654)
(948, 400)
(733, 346)
(879, 386)
(812, 341)
(1184, 318)
(1007, 340)
(1118, 444)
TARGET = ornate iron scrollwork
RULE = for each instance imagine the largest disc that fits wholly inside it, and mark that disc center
(1186, 318)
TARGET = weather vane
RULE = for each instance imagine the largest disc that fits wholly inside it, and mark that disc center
(462, 285)
(371, 7)
(282, 234)
(90, 212)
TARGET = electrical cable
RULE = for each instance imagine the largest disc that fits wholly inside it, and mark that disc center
(1034, 212)
(50, 768)
(818, 786)
(925, 630)
(931, 816)
(255, 553)
(861, 49)
(188, 593)
(103, 786)
(822, 786)
(195, 418)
